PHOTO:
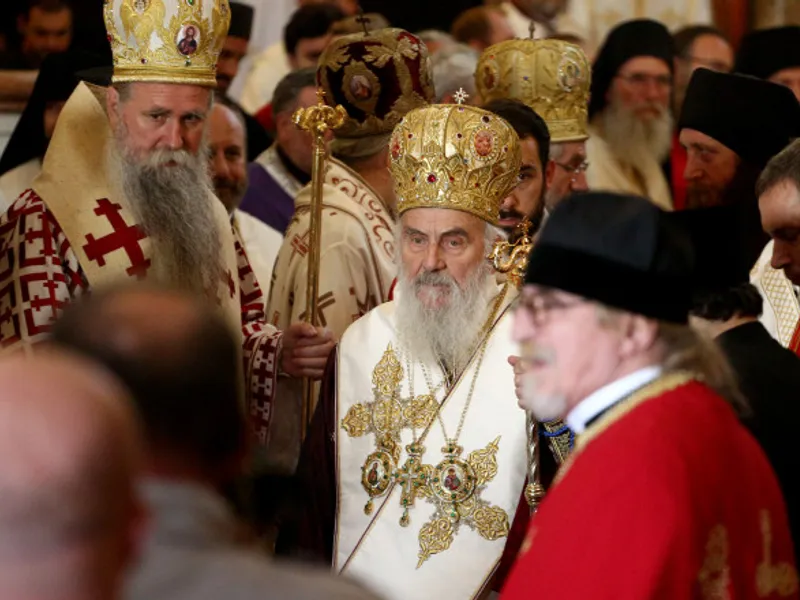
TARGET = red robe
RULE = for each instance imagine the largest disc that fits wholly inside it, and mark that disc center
(794, 343)
(50, 277)
(667, 497)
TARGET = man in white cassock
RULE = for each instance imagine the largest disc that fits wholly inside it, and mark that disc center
(414, 466)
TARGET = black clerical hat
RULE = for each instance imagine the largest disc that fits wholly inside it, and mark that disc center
(241, 20)
(763, 53)
(754, 118)
(639, 37)
(619, 250)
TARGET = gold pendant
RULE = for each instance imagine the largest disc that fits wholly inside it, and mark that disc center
(386, 416)
(455, 488)
(413, 479)
(377, 472)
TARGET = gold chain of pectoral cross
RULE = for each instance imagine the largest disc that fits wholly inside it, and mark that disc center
(455, 484)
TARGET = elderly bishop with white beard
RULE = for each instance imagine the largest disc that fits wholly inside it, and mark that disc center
(125, 196)
(630, 124)
(414, 466)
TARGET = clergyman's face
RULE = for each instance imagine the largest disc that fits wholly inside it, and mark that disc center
(567, 173)
(46, 32)
(780, 218)
(643, 85)
(439, 242)
(161, 116)
(308, 51)
(234, 49)
(710, 168)
(227, 156)
(527, 198)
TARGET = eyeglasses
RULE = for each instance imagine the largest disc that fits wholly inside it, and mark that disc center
(643, 80)
(574, 171)
(540, 306)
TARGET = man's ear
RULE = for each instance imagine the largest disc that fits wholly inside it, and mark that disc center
(112, 107)
(549, 173)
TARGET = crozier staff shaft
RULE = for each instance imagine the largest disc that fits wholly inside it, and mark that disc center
(317, 120)
(511, 258)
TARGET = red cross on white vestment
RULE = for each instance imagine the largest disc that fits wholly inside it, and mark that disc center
(300, 245)
(124, 237)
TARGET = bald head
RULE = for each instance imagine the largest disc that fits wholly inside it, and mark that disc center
(69, 453)
(177, 356)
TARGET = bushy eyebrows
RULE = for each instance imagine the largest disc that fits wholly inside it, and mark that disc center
(454, 231)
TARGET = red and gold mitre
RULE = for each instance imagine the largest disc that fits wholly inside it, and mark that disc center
(377, 77)
(454, 156)
(170, 41)
(550, 76)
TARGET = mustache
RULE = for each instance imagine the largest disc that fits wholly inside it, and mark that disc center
(162, 156)
(537, 356)
(509, 213)
(433, 278)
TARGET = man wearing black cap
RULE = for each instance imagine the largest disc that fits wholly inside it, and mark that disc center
(727, 306)
(234, 49)
(772, 54)
(630, 121)
(668, 493)
(731, 125)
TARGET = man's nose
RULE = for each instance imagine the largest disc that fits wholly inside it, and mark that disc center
(219, 166)
(173, 135)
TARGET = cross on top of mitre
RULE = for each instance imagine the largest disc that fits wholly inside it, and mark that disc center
(460, 96)
(363, 20)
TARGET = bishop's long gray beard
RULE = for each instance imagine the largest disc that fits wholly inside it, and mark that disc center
(448, 333)
(634, 141)
(173, 205)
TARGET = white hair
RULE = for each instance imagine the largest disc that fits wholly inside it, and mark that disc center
(436, 36)
(449, 332)
(556, 150)
(453, 69)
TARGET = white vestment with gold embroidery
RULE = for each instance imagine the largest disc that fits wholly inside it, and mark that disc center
(781, 308)
(375, 549)
(356, 271)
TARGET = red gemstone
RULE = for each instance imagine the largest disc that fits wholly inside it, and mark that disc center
(431, 178)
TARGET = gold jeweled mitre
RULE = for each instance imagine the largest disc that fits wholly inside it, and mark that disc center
(170, 41)
(454, 156)
(550, 76)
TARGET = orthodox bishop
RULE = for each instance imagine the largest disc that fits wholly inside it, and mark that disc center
(412, 435)
(124, 195)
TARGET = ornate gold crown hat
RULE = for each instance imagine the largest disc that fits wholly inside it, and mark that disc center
(550, 76)
(170, 41)
(378, 77)
(454, 156)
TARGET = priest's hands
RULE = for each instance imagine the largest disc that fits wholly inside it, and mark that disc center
(305, 350)
(519, 370)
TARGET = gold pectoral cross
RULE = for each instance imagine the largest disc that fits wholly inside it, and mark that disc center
(455, 486)
(386, 415)
(413, 478)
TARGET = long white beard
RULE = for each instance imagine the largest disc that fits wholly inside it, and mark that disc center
(173, 205)
(450, 332)
(636, 142)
